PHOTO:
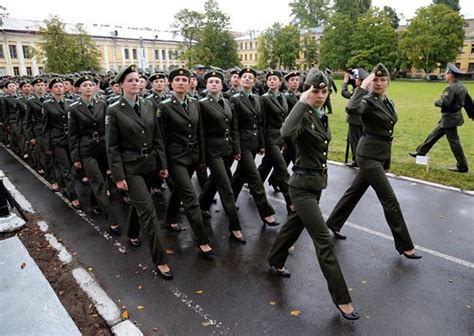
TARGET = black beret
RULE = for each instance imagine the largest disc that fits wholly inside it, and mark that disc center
(200, 67)
(217, 74)
(179, 72)
(234, 71)
(82, 79)
(248, 70)
(37, 80)
(69, 79)
(53, 81)
(7, 82)
(157, 75)
(292, 74)
(95, 80)
(275, 73)
(317, 79)
(144, 76)
(381, 71)
(23, 82)
(124, 72)
(112, 82)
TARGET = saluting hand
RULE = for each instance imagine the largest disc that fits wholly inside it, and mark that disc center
(122, 185)
(305, 95)
(367, 83)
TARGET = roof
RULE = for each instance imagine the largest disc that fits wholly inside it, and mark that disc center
(95, 30)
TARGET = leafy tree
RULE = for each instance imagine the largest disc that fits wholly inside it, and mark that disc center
(188, 23)
(433, 37)
(374, 40)
(279, 46)
(352, 8)
(310, 47)
(454, 4)
(392, 14)
(335, 44)
(86, 50)
(309, 13)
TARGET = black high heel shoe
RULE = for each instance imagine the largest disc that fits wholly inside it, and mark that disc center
(206, 253)
(281, 272)
(240, 240)
(274, 223)
(351, 317)
(135, 242)
(115, 231)
(175, 227)
(411, 256)
(165, 275)
(337, 235)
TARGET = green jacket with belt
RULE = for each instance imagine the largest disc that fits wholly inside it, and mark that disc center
(34, 115)
(451, 102)
(274, 114)
(55, 130)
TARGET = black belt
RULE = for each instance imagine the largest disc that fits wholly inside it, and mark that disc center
(387, 138)
(144, 151)
(95, 136)
(191, 145)
(323, 171)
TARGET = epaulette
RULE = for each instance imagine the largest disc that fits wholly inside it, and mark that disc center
(237, 94)
(191, 98)
(74, 104)
(166, 101)
(202, 100)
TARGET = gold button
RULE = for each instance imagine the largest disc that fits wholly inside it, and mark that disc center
(226, 119)
(189, 125)
(143, 132)
(227, 130)
(390, 131)
(391, 122)
(324, 153)
(254, 133)
(144, 144)
(189, 136)
(325, 142)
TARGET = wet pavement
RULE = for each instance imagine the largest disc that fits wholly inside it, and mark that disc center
(235, 294)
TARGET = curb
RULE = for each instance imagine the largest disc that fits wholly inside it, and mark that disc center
(105, 306)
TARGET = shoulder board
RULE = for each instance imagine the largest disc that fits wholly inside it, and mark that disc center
(49, 100)
(237, 94)
(202, 100)
(166, 101)
(74, 104)
(266, 95)
(115, 103)
(191, 98)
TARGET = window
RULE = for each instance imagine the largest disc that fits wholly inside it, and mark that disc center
(3, 71)
(471, 67)
(245, 56)
(251, 45)
(12, 49)
(134, 53)
(250, 57)
(472, 49)
(256, 56)
(241, 46)
(29, 72)
(16, 71)
(2, 55)
(240, 56)
(157, 54)
(27, 52)
(245, 45)
(40, 70)
(126, 53)
(163, 54)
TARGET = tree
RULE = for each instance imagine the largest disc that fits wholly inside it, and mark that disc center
(267, 54)
(374, 40)
(86, 50)
(279, 47)
(454, 4)
(309, 13)
(392, 14)
(310, 48)
(352, 8)
(433, 37)
(188, 24)
(335, 43)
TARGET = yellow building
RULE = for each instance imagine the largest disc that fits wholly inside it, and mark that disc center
(247, 48)
(118, 46)
(465, 59)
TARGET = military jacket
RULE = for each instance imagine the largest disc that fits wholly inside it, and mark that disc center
(183, 132)
(247, 123)
(230, 93)
(54, 123)
(113, 99)
(451, 102)
(134, 143)
(156, 99)
(86, 129)
(311, 138)
(353, 119)
(33, 118)
(378, 123)
(10, 109)
(292, 98)
(219, 135)
(21, 111)
(274, 114)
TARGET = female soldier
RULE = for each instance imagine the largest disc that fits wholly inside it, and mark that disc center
(56, 142)
(373, 157)
(86, 139)
(247, 124)
(135, 152)
(217, 116)
(308, 126)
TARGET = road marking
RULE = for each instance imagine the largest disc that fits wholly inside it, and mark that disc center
(63, 254)
(19, 198)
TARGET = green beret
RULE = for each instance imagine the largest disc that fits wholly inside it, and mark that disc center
(194, 75)
(37, 80)
(95, 80)
(82, 79)
(248, 70)
(179, 72)
(124, 72)
(317, 79)
(292, 74)
(144, 76)
(275, 73)
(217, 74)
(234, 71)
(157, 75)
(54, 81)
(23, 82)
(381, 71)
(8, 82)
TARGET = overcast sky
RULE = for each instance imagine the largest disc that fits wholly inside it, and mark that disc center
(245, 14)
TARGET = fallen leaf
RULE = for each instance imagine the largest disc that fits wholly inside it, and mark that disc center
(350, 289)
(155, 329)
(295, 312)
(140, 307)
(89, 269)
(23, 265)
(468, 307)
(199, 291)
(124, 315)
(61, 292)
(450, 280)
(364, 281)
(123, 307)
(272, 303)
(206, 323)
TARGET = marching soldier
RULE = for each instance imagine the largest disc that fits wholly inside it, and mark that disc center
(451, 103)
(248, 127)
(10, 113)
(21, 114)
(135, 153)
(158, 89)
(69, 93)
(309, 128)
(116, 92)
(332, 86)
(373, 157)
(234, 84)
(86, 126)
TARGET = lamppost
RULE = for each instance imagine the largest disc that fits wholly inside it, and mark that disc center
(114, 35)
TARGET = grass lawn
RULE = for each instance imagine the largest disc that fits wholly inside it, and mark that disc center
(417, 116)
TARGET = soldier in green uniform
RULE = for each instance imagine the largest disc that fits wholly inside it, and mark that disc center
(373, 157)
(69, 93)
(136, 153)
(234, 83)
(220, 140)
(451, 103)
(116, 92)
(308, 126)
(180, 120)
(274, 109)
(10, 113)
(158, 89)
(248, 127)
(56, 141)
(86, 124)
(25, 88)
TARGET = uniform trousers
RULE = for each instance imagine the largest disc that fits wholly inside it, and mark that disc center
(63, 165)
(355, 132)
(308, 215)
(371, 173)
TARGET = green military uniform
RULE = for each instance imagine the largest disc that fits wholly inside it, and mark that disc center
(332, 87)
(248, 127)
(274, 109)
(55, 135)
(373, 157)
(135, 152)
(220, 146)
(184, 141)
(312, 136)
(21, 115)
(87, 143)
(451, 103)
(10, 108)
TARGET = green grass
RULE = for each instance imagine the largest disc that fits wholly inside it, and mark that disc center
(417, 116)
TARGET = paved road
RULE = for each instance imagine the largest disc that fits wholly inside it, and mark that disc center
(240, 296)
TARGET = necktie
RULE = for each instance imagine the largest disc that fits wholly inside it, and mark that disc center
(41, 99)
(221, 103)
(280, 100)
(91, 108)
(324, 120)
(136, 107)
(61, 104)
(252, 100)
(185, 107)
